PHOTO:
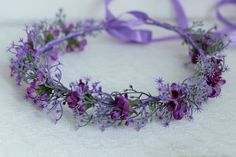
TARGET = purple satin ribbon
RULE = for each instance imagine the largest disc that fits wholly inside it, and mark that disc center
(180, 14)
(230, 27)
(126, 32)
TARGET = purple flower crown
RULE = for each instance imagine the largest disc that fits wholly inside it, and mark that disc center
(35, 64)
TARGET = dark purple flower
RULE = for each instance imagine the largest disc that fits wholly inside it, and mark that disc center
(121, 109)
(67, 28)
(175, 91)
(54, 31)
(72, 99)
(205, 43)
(82, 86)
(194, 56)
(177, 103)
(215, 80)
(178, 109)
(38, 91)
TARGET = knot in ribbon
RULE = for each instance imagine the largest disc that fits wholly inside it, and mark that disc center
(125, 31)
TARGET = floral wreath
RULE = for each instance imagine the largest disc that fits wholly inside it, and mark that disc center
(36, 64)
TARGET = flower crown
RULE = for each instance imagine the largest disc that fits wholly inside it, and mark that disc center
(36, 64)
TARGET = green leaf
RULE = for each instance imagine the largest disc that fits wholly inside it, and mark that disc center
(134, 102)
(49, 37)
(72, 42)
(87, 98)
(43, 89)
(29, 58)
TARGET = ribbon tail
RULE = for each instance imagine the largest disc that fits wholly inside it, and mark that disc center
(180, 14)
(230, 27)
(220, 17)
(167, 38)
(109, 15)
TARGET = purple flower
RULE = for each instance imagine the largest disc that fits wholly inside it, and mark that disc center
(13, 67)
(175, 91)
(207, 40)
(67, 28)
(54, 56)
(178, 109)
(70, 48)
(74, 44)
(74, 101)
(40, 76)
(194, 56)
(31, 90)
(177, 103)
(37, 91)
(82, 86)
(121, 108)
(205, 43)
(54, 31)
(83, 43)
(215, 80)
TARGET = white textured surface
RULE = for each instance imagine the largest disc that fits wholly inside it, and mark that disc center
(25, 132)
(16, 10)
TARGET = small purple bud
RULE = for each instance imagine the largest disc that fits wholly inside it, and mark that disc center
(72, 99)
(83, 43)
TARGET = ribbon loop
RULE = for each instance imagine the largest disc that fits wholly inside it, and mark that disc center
(230, 26)
(220, 17)
(124, 30)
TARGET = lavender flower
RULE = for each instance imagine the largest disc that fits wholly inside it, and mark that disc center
(121, 108)
(176, 101)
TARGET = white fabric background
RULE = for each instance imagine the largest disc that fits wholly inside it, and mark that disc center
(26, 132)
(18, 10)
